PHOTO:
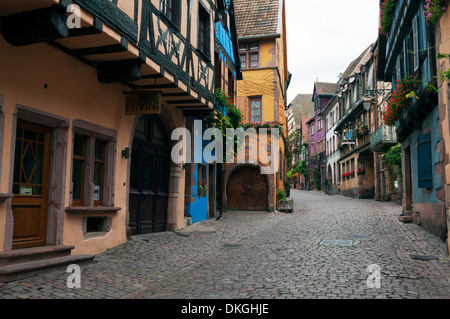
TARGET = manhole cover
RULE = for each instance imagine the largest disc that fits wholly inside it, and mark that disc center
(336, 242)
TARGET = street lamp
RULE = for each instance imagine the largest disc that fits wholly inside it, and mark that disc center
(367, 102)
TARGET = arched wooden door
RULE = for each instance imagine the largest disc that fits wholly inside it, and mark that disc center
(149, 177)
(247, 190)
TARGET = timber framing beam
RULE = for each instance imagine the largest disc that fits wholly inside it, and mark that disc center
(34, 26)
(119, 71)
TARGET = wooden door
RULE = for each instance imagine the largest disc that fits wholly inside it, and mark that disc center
(149, 181)
(30, 185)
(247, 190)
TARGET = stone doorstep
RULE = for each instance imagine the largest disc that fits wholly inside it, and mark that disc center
(29, 269)
(25, 255)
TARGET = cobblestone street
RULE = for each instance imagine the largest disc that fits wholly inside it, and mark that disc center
(266, 255)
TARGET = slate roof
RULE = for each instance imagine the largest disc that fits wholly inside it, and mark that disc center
(302, 106)
(256, 17)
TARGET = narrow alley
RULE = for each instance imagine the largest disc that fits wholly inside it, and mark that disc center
(321, 250)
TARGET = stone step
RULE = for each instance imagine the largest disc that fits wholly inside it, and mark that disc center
(24, 255)
(28, 269)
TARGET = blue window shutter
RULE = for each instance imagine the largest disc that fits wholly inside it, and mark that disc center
(424, 161)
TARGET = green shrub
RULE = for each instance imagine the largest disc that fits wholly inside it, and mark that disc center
(280, 194)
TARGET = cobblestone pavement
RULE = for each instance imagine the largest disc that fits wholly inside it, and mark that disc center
(265, 255)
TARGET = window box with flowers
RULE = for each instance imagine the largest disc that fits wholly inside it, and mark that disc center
(348, 175)
(401, 99)
(387, 14)
(361, 171)
(363, 130)
(268, 125)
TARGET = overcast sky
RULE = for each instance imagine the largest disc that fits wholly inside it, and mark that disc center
(324, 37)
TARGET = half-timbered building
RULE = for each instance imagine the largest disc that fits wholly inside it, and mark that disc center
(90, 93)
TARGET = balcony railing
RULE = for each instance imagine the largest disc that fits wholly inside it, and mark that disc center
(383, 137)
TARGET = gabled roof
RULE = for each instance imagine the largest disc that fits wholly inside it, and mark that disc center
(325, 88)
(256, 18)
(355, 65)
(302, 106)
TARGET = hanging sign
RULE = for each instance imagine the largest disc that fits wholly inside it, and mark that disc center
(348, 137)
(143, 102)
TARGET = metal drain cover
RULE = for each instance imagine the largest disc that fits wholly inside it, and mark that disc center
(336, 242)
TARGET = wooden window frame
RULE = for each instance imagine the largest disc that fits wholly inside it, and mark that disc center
(204, 30)
(250, 112)
(81, 158)
(100, 161)
(172, 10)
(245, 48)
(92, 133)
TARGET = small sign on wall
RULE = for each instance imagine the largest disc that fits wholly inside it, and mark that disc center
(143, 102)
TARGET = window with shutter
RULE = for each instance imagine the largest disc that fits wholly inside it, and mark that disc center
(415, 25)
(405, 61)
(424, 161)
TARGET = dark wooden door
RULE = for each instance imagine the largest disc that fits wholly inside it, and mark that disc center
(149, 182)
(30, 185)
(247, 190)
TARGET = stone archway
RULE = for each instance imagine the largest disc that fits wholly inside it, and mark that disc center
(263, 183)
(174, 175)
